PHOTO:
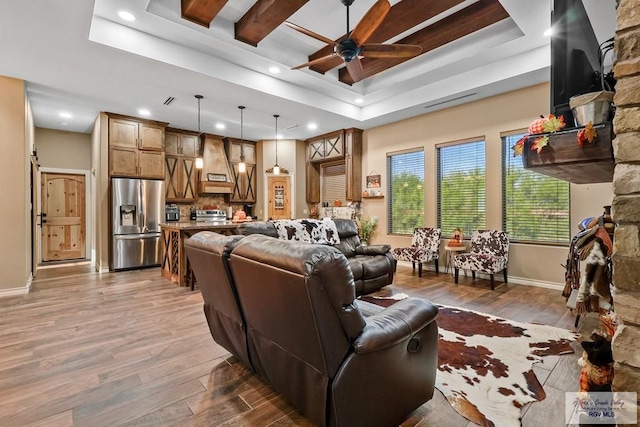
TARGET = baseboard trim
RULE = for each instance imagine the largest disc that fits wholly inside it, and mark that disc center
(510, 279)
(17, 291)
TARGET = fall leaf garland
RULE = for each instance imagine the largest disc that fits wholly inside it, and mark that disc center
(542, 125)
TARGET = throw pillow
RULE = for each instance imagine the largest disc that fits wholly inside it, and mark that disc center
(308, 231)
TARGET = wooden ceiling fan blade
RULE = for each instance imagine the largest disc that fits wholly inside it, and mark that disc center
(355, 69)
(315, 61)
(374, 50)
(370, 21)
(309, 33)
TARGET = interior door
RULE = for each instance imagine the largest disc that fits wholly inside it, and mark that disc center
(35, 242)
(279, 197)
(63, 216)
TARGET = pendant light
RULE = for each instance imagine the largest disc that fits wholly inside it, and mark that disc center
(276, 168)
(242, 166)
(199, 159)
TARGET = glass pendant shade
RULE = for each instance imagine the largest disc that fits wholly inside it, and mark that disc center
(199, 159)
(242, 166)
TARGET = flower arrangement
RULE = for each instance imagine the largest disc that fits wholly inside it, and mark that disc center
(542, 127)
(366, 227)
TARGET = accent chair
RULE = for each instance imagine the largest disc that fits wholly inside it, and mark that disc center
(488, 253)
(425, 247)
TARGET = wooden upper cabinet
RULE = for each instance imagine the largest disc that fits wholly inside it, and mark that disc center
(123, 133)
(326, 147)
(180, 143)
(151, 137)
(136, 147)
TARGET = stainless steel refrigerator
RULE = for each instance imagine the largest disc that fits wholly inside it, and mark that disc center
(136, 210)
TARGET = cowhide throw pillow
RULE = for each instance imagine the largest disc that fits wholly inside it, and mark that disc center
(322, 232)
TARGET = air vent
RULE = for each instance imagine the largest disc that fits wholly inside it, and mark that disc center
(169, 100)
(450, 100)
(291, 127)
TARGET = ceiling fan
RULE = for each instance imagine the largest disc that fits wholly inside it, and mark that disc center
(354, 45)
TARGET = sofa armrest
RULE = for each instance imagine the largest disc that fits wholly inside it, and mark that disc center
(373, 250)
(395, 324)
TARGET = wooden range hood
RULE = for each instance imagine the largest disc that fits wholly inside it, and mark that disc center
(215, 176)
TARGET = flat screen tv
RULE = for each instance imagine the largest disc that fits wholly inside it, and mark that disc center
(575, 56)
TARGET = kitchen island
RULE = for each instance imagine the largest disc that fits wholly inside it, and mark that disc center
(175, 265)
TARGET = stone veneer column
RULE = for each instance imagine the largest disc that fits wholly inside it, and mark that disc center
(626, 201)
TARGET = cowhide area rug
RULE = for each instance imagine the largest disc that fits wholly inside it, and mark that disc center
(485, 362)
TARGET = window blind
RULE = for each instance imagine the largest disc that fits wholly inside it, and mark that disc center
(461, 187)
(535, 207)
(334, 183)
(405, 189)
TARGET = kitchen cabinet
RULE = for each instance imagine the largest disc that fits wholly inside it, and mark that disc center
(245, 183)
(353, 163)
(180, 179)
(136, 147)
(181, 143)
(180, 171)
(343, 144)
(326, 147)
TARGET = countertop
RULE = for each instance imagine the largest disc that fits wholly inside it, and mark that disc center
(199, 225)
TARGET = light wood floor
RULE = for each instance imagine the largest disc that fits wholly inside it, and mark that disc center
(131, 348)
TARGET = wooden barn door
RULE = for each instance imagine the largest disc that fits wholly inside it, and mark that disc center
(63, 216)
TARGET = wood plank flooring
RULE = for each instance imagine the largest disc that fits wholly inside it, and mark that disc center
(133, 349)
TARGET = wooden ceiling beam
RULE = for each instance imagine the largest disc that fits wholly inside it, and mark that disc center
(264, 17)
(201, 12)
(467, 21)
(403, 16)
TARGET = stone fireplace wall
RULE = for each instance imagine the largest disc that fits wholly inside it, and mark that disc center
(626, 201)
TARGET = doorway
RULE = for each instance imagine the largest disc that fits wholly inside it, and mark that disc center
(63, 217)
(279, 191)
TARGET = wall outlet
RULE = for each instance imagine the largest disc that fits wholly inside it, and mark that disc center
(304, 211)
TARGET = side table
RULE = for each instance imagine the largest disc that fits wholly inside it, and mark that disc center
(450, 251)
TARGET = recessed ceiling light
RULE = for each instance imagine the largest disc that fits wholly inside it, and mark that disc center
(312, 126)
(65, 115)
(220, 126)
(548, 32)
(144, 112)
(359, 100)
(64, 124)
(274, 70)
(126, 16)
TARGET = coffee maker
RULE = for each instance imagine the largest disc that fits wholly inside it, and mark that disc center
(248, 209)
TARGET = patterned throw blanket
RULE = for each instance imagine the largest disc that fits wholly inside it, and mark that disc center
(319, 231)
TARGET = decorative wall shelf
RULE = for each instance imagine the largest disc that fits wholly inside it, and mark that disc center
(564, 159)
(373, 197)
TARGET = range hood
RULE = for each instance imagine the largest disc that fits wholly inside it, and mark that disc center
(216, 176)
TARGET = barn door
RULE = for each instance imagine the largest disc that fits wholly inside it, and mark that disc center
(279, 197)
(63, 216)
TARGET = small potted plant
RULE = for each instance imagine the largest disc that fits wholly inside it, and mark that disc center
(366, 227)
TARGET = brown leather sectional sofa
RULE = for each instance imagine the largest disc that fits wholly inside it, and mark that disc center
(288, 310)
(372, 266)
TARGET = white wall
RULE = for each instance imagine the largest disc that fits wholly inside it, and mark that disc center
(487, 119)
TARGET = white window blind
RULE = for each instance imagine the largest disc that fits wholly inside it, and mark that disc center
(334, 183)
(405, 206)
(535, 207)
(461, 187)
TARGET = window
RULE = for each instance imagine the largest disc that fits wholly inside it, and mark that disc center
(333, 183)
(535, 206)
(461, 187)
(406, 191)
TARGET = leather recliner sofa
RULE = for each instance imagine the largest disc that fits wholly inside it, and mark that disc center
(307, 337)
(373, 266)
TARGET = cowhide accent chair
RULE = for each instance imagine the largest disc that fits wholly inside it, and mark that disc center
(488, 253)
(425, 247)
